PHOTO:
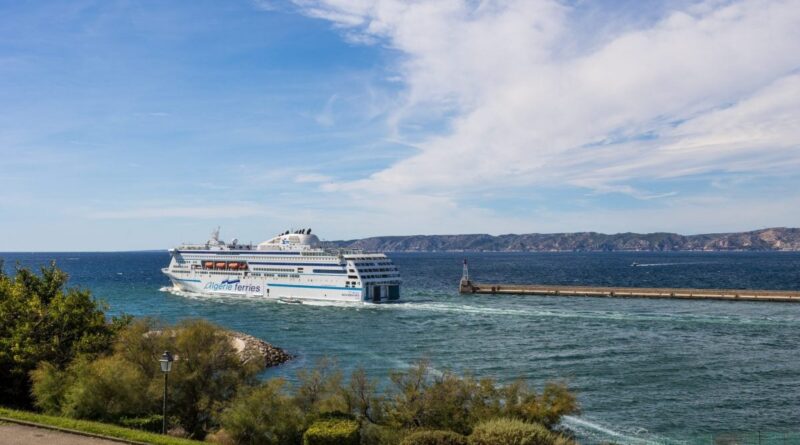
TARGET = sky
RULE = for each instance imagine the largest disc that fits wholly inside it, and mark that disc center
(128, 125)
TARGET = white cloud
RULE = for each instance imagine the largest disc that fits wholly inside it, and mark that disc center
(527, 107)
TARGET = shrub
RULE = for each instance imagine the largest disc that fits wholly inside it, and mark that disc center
(320, 390)
(436, 437)
(362, 398)
(372, 434)
(221, 437)
(334, 415)
(548, 408)
(422, 399)
(507, 431)
(265, 415)
(150, 423)
(49, 385)
(332, 432)
(106, 389)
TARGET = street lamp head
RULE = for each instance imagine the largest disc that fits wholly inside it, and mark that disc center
(166, 362)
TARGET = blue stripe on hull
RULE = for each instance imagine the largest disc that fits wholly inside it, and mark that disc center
(235, 252)
(294, 264)
(304, 286)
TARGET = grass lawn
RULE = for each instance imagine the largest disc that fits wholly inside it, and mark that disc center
(87, 426)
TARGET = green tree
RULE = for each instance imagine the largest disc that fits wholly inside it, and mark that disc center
(45, 322)
(207, 373)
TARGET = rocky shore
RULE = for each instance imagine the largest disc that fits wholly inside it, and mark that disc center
(252, 348)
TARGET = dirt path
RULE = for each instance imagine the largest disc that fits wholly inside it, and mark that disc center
(13, 434)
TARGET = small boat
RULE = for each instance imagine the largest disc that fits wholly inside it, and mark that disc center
(634, 264)
(289, 300)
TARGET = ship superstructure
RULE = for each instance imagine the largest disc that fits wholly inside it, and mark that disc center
(292, 266)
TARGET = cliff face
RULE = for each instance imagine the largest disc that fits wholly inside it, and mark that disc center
(786, 239)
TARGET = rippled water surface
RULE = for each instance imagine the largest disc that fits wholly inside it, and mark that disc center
(643, 369)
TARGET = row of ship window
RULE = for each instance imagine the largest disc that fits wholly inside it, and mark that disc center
(283, 275)
(241, 266)
(272, 269)
(257, 258)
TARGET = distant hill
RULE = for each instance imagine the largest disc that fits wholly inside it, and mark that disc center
(777, 239)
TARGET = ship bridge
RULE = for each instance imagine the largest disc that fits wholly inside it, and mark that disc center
(298, 240)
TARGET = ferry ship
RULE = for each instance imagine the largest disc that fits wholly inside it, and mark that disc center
(292, 266)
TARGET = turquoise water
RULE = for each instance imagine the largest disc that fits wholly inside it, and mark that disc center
(644, 370)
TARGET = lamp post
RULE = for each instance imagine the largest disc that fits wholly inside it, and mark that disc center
(166, 367)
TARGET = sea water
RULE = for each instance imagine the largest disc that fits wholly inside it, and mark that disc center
(644, 370)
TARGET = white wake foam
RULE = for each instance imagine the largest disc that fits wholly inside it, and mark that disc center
(594, 430)
(465, 308)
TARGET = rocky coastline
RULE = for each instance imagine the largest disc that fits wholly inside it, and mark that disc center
(252, 348)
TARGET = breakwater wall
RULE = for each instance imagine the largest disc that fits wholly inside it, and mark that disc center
(468, 287)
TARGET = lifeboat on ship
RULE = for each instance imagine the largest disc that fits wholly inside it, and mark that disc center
(208, 265)
(233, 266)
(220, 265)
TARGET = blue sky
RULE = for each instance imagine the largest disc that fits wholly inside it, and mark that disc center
(138, 125)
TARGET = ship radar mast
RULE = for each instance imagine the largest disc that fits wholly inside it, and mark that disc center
(214, 241)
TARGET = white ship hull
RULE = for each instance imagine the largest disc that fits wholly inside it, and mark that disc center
(236, 286)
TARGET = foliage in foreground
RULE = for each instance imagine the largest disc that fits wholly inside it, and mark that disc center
(505, 431)
(436, 437)
(448, 401)
(95, 428)
(128, 383)
(264, 415)
(88, 368)
(44, 322)
(418, 399)
(333, 431)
